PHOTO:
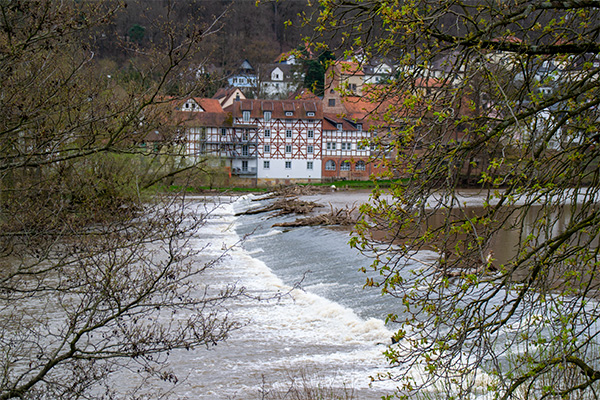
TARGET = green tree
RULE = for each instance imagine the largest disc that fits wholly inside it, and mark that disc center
(504, 95)
(314, 76)
(95, 273)
(136, 33)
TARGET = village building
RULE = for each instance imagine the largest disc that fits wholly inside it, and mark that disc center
(210, 135)
(279, 80)
(346, 153)
(287, 138)
(226, 96)
(244, 78)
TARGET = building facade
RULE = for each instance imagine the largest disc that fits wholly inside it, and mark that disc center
(288, 138)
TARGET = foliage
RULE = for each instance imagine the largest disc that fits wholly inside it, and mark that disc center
(136, 33)
(314, 76)
(96, 274)
(503, 96)
(301, 386)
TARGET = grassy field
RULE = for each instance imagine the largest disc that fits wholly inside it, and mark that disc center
(345, 184)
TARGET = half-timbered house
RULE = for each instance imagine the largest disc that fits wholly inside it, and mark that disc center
(346, 153)
(288, 137)
(210, 134)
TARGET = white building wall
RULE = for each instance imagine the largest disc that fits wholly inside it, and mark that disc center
(298, 169)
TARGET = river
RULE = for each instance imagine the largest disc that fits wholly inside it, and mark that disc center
(307, 315)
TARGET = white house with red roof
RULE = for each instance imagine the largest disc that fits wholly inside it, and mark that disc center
(284, 138)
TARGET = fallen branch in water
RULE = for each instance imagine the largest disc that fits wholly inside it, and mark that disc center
(342, 216)
(285, 206)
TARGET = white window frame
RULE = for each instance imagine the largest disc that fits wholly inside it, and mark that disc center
(246, 116)
(288, 133)
(288, 165)
(288, 148)
(310, 133)
(345, 166)
(309, 149)
(360, 166)
(310, 114)
(330, 165)
(267, 148)
(267, 116)
(267, 133)
(309, 165)
(289, 113)
(266, 164)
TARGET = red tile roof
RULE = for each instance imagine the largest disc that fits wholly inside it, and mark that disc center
(278, 108)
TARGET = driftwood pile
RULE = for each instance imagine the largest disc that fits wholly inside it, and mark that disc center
(343, 216)
(286, 206)
(287, 202)
(295, 191)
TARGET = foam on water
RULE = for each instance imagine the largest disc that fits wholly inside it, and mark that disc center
(287, 331)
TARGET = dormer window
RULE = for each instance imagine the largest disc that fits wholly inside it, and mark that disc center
(339, 127)
(267, 116)
(246, 116)
(359, 127)
(289, 113)
(191, 105)
(310, 114)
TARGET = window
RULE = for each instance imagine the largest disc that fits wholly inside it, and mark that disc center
(288, 133)
(330, 165)
(245, 135)
(309, 149)
(338, 126)
(330, 145)
(331, 103)
(267, 148)
(245, 166)
(267, 133)
(223, 131)
(246, 116)
(289, 113)
(309, 165)
(343, 145)
(346, 146)
(359, 127)
(310, 114)
(267, 116)
(288, 148)
(311, 134)
(266, 164)
(345, 166)
(360, 165)
(288, 165)
(244, 150)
